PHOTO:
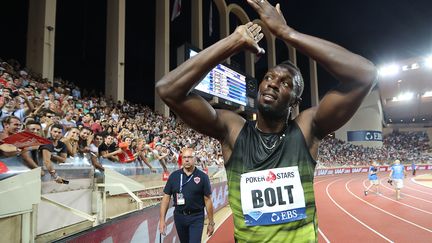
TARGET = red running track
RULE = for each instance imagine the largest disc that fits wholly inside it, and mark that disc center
(345, 214)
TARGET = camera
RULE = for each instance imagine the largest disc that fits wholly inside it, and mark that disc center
(390, 181)
(14, 93)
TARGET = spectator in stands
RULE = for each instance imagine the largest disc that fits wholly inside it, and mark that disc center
(71, 141)
(29, 153)
(54, 152)
(154, 142)
(47, 120)
(96, 126)
(67, 121)
(85, 139)
(76, 93)
(86, 121)
(94, 151)
(9, 102)
(147, 157)
(34, 127)
(108, 149)
(161, 155)
(11, 125)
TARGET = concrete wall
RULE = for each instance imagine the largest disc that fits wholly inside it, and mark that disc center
(368, 117)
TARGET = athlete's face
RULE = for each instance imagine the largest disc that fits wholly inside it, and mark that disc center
(188, 159)
(274, 96)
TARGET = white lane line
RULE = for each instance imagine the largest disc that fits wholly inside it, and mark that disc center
(391, 199)
(419, 184)
(316, 182)
(384, 211)
(322, 234)
(356, 219)
(408, 195)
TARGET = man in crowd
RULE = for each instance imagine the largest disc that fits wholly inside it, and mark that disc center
(11, 125)
(54, 152)
(274, 144)
(29, 153)
(108, 149)
(67, 121)
(94, 151)
(8, 105)
(190, 188)
(85, 139)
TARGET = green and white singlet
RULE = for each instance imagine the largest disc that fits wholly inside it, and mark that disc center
(271, 186)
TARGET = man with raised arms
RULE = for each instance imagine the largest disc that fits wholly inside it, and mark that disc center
(278, 209)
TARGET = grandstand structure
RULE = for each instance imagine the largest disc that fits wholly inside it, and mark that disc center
(406, 92)
(120, 203)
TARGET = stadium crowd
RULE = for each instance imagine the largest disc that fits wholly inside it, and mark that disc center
(81, 123)
(405, 146)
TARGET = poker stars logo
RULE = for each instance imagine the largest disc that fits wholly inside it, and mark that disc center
(271, 177)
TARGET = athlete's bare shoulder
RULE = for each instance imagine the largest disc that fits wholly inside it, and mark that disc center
(305, 121)
(233, 123)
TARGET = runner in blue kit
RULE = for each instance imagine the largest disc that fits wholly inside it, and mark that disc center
(397, 174)
(373, 178)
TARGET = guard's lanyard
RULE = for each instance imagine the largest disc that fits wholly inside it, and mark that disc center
(181, 181)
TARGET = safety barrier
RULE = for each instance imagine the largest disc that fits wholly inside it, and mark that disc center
(62, 209)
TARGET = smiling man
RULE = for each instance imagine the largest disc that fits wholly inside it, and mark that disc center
(278, 209)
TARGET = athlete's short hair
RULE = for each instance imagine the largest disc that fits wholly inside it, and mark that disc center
(298, 83)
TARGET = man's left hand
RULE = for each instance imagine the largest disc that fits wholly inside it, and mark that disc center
(210, 229)
(270, 15)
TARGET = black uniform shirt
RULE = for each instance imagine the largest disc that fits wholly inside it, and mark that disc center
(194, 188)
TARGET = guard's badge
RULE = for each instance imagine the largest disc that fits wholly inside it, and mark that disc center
(197, 180)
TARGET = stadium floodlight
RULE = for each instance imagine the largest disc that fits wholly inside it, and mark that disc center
(388, 70)
(404, 96)
(428, 62)
(427, 94)
(415, 66)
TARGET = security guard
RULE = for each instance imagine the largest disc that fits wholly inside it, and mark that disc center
(190, 188)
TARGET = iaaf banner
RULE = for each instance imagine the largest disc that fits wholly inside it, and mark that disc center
(142, 226)
(343, 170)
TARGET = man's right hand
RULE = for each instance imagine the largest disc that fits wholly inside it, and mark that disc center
(162, 227)
(251, 34)
(59, 180)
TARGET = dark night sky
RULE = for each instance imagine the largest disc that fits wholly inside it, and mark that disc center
(380, 30)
